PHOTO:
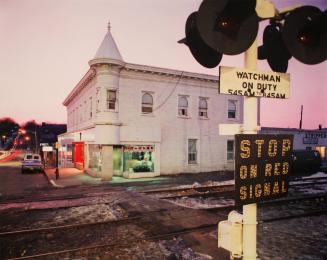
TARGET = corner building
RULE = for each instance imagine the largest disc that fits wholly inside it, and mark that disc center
(136, 121)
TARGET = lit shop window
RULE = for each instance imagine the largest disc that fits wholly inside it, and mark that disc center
(203, 107)
(182, 106)
(147, 103)
(111, 99)
(231, 109)
(192, 151)
(138, 158)
(230, 149)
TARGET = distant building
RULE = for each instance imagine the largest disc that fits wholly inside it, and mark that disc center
(304, 139)
(49, 132)
(139, 121)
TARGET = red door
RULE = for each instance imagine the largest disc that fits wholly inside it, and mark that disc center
(79, 154)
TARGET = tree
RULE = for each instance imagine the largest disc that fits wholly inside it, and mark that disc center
(8, 126)
(33, 131)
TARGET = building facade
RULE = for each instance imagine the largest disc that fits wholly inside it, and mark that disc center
(303, 139)
(139, 121)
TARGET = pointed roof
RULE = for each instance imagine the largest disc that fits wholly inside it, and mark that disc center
(108, 51)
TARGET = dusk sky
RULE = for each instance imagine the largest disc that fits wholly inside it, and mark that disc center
(45, 47)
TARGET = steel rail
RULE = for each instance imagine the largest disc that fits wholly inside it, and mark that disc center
(164, 236)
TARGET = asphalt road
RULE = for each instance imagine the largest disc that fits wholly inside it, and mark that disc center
(13, 182)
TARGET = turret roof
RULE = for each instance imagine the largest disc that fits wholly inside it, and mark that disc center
(108, 51)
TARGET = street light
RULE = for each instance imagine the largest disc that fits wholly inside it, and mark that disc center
(23, 131)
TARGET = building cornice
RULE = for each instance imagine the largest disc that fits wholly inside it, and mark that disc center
(89, 75)
(169, 72)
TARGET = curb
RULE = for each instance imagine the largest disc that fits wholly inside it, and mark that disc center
(52, 182)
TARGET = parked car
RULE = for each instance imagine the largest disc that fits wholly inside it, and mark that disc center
(32, 162)
(305, 161)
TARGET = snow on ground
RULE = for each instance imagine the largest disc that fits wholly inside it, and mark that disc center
(202, 203)
(316, 175)
(207, 184)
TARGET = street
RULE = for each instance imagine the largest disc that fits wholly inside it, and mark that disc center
(13, 182)
(172, 218)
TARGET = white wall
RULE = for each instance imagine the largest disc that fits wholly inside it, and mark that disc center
(164, 128)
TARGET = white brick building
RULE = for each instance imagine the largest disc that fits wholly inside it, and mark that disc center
(134, 120)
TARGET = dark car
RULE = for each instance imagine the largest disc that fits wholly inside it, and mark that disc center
(305, 161)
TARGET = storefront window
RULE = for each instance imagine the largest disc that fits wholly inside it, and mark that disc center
(117, 159)
(95, 157)
(138, 158)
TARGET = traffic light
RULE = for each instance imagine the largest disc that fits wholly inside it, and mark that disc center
(221, 27)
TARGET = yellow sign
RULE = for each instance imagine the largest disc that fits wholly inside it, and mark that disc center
(253, 83)
(262, 164)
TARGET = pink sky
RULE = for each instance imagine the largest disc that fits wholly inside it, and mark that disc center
(46, 44)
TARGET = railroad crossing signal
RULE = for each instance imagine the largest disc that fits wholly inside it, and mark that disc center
(231, 26)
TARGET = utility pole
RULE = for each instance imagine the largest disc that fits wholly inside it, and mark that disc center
(300, 127)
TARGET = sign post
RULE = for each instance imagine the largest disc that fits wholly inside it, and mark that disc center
(250, 116)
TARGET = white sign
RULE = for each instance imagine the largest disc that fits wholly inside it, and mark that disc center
(253, 83)
(47, 148)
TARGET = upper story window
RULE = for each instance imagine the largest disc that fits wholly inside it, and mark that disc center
(182, 106)
(147, 103)
(111, 99)
(232, 109)
(203, 107)
(80, 113)
(91, 107)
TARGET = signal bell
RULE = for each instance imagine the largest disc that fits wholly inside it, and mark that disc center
(304, 34)
(204, 54)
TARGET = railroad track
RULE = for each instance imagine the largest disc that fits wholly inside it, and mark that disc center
(132, 240)
(219, 190)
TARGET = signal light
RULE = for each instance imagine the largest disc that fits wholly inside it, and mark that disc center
(304, 34)
(204, 54)
(274, 49)
(231, 26)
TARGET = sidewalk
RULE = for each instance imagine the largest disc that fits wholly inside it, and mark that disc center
(69, 177)
(73, 177)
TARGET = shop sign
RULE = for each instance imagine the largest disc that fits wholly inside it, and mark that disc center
(316, 135)
(138, 148)
(253, 83)
(310, 140)
(47, 148)
(262, 164)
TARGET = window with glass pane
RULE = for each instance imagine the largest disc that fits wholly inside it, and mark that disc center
(91, 109)
(203, 107)
(192, 151)
(182, 106)
(231, 109)
(111, 99)
(230, 150)
(147, 103)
